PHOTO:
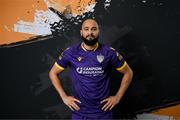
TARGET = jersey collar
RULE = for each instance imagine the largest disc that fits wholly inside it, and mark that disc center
(97, 45)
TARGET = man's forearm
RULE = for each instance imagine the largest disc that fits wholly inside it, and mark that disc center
(126, 80)
(113, 100)
(57, 84)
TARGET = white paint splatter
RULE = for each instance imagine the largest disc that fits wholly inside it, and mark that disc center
(43, 19)
(90, 8)
(51, 4)
(41, 24)
(107, 3)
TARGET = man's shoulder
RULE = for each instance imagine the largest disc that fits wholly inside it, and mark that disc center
(72, 48)
(108, 47)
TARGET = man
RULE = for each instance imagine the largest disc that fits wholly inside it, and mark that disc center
(91, 63)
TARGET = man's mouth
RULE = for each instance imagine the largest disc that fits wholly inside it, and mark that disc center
(90, 37)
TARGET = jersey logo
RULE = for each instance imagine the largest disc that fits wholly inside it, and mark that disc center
(60, 57)
(79, 59)
(119, 56)
(100, 58)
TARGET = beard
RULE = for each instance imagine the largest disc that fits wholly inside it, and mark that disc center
(91, 41)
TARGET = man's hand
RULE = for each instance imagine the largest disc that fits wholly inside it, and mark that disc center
(110, 102)
(70, 101)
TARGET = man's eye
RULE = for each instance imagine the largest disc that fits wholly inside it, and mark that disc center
(94, 29)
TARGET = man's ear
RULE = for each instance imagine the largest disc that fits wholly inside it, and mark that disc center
(81, 32)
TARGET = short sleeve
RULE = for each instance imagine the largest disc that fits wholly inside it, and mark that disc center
(63, 60)
(117, 60)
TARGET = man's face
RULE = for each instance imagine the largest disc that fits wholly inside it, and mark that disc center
(90, 29)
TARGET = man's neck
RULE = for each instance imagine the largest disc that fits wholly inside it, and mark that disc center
(87, 47)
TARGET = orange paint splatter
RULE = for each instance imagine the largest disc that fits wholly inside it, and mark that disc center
(169, 111)
(12, 11)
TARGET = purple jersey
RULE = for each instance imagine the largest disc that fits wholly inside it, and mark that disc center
(90, 75)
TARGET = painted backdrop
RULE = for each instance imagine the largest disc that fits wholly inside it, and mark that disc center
(33, 33)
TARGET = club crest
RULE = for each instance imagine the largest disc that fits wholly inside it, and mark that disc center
(100, 58)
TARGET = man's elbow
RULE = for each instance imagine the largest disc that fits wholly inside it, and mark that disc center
(51, 74)
(131, 73)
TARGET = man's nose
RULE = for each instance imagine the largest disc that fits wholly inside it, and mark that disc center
(90, 32)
